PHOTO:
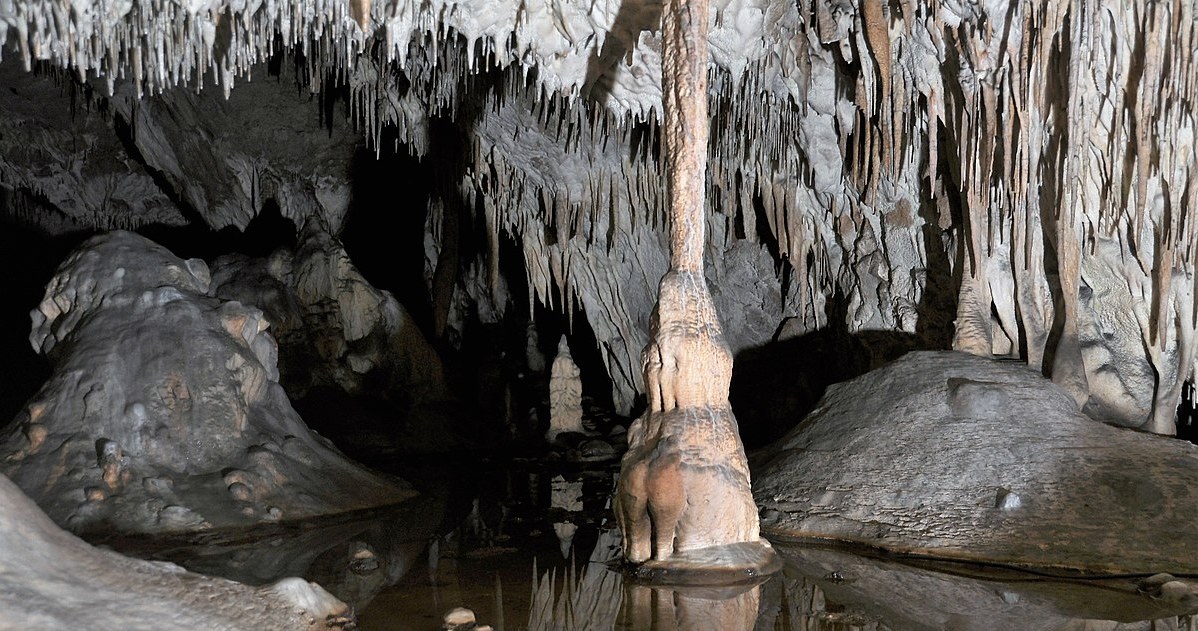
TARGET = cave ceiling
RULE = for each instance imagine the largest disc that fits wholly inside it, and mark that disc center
(890, 167)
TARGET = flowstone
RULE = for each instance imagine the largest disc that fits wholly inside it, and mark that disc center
(163, 411)
(965, 457)
(51, 579)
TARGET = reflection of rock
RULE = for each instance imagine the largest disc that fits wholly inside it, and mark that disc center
(979, 459)
(565, 495)
(680, 609)
(842, 590)
(600, 597)
(354, 557)
(565, 394)
(163, 411)
(52, 580)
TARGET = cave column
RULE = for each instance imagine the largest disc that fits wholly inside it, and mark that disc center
(683, 501)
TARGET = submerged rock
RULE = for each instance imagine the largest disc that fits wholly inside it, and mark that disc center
(965, 457)
(50, 579)
(164, 411)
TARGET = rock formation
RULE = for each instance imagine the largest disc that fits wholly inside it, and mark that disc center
(163, 411)
(50, 579)
(684, 482)
(334, 328)
(875, 168)
(565, 394)
(968, 458)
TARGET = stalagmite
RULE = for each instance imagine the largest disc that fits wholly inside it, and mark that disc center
(565, 394)
(683, 500)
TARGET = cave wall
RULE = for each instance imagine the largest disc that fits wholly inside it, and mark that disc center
(996, 176)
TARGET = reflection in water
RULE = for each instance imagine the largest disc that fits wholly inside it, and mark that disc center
(824, 589)
(502, 536)
(691, 609)
(600, 599)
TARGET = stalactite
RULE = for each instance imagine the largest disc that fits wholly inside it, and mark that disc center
(1075, 115)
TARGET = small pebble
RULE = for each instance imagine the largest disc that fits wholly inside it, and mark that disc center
(457, 617)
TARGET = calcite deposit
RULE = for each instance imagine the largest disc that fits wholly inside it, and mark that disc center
(683, 497)
(50, 579)
(964, 457)
(164, 410)
(875, 168)
(334, 328)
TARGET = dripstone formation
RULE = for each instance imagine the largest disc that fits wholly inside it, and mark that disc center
(164, 410)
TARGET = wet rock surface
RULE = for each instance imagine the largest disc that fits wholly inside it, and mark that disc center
(965, 457)
(164, 411)
(52, 580)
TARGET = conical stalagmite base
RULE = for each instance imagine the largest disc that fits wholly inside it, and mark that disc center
(684, 502)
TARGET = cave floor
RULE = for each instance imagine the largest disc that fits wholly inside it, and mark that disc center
(489, 536)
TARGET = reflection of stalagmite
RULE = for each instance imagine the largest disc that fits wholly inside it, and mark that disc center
(565, 394)
(668, 609)
(565, 495)
(684, 482)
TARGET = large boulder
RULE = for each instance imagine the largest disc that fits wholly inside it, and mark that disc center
(164, 411)
(51, 579)
(965, 457)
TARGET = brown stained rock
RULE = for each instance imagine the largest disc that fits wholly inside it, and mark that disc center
(684, 482)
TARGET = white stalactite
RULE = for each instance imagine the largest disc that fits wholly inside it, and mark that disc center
(859, 130)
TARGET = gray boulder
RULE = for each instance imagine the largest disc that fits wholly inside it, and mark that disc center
(970, 458)
(164, 410)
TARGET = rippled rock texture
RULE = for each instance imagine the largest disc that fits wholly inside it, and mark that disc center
(966, 457)
(164, 410)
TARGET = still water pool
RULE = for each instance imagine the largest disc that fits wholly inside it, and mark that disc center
(529, 545)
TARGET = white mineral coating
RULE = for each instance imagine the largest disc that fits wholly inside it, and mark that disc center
(51, 579)
(966, 457)
(458, 616)
(846, 133)
(166, 398)
(565, 394)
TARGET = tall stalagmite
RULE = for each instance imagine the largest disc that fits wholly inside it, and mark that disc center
(684, 483)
